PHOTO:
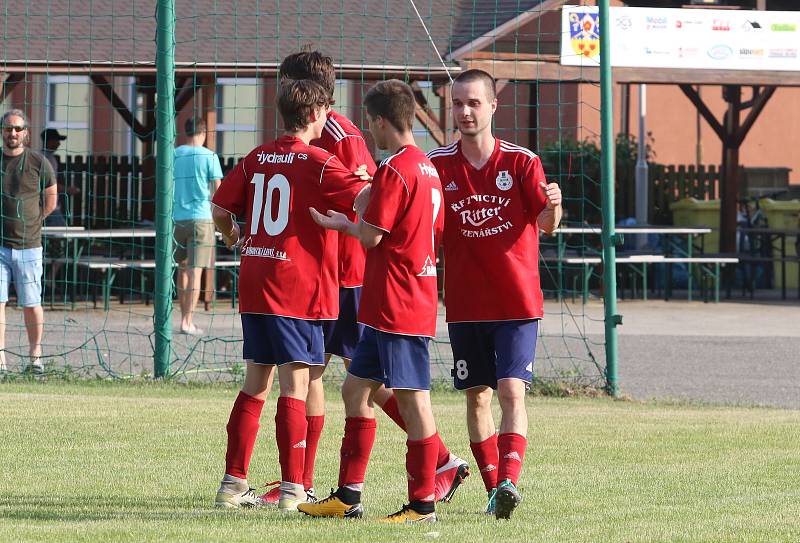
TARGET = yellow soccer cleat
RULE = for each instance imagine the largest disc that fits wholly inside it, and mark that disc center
(331, 506)
(408, 515)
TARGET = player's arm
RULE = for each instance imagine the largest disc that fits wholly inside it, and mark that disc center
(227, 202)
(550, 216)
(368, 235)
(543, 198)
(226, 225)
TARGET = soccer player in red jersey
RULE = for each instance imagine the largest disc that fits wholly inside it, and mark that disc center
(343, 139)
(286, 287)
(496, 200)
(400, 227)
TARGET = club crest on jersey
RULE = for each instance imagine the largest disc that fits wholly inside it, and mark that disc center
(429, 269)
(504, 180)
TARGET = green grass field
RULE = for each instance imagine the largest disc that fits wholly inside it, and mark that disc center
(136, 462)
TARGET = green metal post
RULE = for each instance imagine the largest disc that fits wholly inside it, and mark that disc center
(607, 188)
(165, 144)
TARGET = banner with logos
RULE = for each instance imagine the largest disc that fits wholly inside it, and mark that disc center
(683, 38)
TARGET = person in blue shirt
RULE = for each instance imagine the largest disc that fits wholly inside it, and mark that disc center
(197, 175)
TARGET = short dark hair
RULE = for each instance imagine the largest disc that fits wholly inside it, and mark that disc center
(194, 126)
(311, 65)
(478, 75)
(297, 99)
(394, 101)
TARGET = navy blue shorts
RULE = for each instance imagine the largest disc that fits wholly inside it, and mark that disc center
(395, 360)
(342, 335)
(485, 352)
(273, 340)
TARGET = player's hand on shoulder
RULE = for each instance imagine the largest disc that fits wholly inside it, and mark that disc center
(553, 194)
(361, 172)
(332, 221)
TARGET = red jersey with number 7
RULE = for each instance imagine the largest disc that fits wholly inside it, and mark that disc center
(342, 138)
(400, 292)
(288, 261)
(491, 238)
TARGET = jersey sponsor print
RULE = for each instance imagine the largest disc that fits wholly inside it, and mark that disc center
(343, 139)
(400, 288)
(288, 262)
(491, 239)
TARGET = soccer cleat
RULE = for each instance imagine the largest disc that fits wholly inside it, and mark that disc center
(311, 495)
(290, 498)
(507, 499)
(273, 495)
(408, 516)
(491, 505)
(449, 477)
(331, 506)
(229, 498)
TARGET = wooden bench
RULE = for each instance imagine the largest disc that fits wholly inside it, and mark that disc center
(708, 265)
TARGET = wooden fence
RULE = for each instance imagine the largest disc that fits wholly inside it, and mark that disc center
(671, 183)
(114, 192)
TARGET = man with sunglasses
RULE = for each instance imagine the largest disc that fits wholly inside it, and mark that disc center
(28, 194)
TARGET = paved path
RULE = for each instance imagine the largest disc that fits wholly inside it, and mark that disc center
(728, 353)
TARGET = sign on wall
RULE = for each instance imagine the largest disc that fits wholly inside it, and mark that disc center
(683, 38)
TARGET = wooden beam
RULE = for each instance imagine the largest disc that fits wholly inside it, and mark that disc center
(524, 70)
(701, 106)
(141, 131)
(759, 102)
(9, 81)
(426, 116)
(184, 94)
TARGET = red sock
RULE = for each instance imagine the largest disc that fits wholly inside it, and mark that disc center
(442, 453)
(242, 430)
(392, 410)
(421, 467)
(290, 433)
(512, 453)
(487, 457)
(313, 434)
(359, 436)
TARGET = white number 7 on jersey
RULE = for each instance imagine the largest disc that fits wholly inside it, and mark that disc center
(273, 226)
(436, 200)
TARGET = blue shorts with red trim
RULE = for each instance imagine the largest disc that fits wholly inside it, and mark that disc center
(395, 360)
(273, 340)
(342, 335)
(485, 352)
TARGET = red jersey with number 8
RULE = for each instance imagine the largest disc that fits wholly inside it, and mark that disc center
(288, 261)
(491, 243)
(400, 292)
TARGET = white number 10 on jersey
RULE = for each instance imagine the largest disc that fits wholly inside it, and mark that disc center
(272, 225)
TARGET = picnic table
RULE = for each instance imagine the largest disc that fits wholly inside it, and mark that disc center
(688, 258)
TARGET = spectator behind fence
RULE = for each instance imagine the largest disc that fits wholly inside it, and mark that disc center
(196, 170)
(51, 141)
(28, 185)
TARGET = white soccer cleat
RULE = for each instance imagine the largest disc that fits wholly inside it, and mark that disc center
(449, 477)
(231, 497)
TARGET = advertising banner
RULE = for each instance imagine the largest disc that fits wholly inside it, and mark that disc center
(683, 38)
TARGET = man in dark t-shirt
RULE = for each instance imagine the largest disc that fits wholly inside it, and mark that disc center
(28, 194)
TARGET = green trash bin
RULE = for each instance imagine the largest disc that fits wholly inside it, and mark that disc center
(693, 212)
(784, 215)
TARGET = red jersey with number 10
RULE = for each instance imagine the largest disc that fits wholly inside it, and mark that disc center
(491, 239)
(288, 262)
(342, 138)
(400, 290)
